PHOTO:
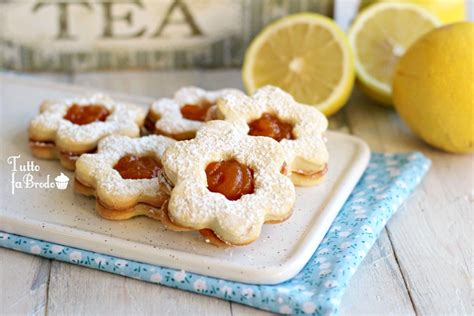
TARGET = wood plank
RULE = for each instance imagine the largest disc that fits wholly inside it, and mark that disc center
(338, 123)
(439, 218)
(48, 76)
(77, 290)
(24, 277)
(243, 310)
(24, 280)
(432, 233)
(159, 83)
(377, 287)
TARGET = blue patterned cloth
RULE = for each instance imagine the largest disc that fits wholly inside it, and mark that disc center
(318, 288)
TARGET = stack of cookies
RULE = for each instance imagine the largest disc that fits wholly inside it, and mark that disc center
(217, 162)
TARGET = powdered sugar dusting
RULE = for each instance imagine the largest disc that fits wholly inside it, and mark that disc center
(50, 125)
(193, 205)
(308, 123)
(97, 170)
(169, 110)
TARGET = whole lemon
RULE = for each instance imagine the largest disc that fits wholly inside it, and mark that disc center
(433, 87)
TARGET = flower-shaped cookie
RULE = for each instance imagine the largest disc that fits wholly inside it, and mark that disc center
(68, 128)
(125, 175)
(183, 115)
(274, 113)
(228, 182)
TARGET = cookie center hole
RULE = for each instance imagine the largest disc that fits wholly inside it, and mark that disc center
(230, 178)
(197, 112)
(136, 167)
(271, 126)
(86, 114)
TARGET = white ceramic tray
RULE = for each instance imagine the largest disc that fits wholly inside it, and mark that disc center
(69, 219)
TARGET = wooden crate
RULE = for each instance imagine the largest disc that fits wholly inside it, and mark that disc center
(57, 35)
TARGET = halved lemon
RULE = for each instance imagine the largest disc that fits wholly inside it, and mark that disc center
(448, 11)
(305, 54)
(379, 36)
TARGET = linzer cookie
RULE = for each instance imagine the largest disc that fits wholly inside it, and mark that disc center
(125, 175)
(227, 184)
(182, 116)
(274, 113)
(68, 128)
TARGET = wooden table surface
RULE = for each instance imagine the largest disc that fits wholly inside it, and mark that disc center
(421, 264)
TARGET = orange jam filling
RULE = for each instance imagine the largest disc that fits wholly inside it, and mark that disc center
(230, 178)
(149, 124)
(85, 114)
(270, 126)
(134, 167)
(196, 112)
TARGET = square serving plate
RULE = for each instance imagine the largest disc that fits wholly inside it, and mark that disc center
(61, 216)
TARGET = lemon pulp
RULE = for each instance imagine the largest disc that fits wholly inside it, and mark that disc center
(308, 56)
